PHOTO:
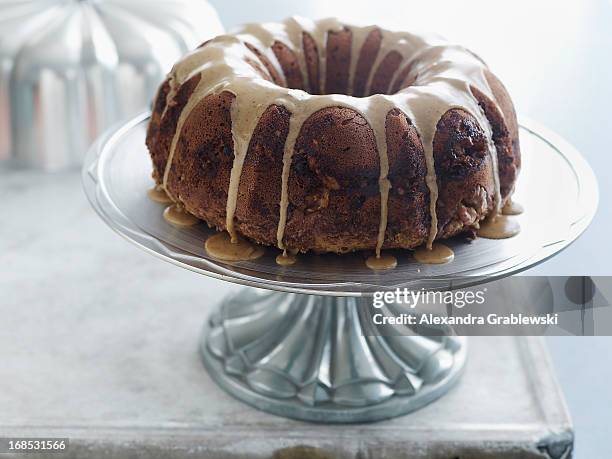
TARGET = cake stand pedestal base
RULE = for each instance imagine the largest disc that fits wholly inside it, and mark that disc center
(322, 359)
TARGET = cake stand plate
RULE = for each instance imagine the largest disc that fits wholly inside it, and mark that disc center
(315, 357)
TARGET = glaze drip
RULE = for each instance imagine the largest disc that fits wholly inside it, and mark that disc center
(443, 75)
(177, 216)
(512, 208)
(381, 263)
(286, 259)
(221, 247)
(439, 254)
(499, 227)
(157, 194)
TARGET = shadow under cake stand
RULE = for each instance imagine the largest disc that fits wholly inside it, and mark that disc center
(305, 347)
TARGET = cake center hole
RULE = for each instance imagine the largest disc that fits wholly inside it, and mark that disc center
(334, 75)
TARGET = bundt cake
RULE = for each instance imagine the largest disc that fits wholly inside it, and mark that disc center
(323, 136)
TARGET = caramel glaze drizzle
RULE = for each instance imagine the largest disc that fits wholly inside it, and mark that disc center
(499, 227)
(158, 194)
(381, 262)
(176, 215)
(286, 259)
(512, 208)
(222, 247)
(437, 255)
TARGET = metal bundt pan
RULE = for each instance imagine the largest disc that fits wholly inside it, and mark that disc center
(71, 68)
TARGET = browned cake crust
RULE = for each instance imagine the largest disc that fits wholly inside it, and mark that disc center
(334, 196)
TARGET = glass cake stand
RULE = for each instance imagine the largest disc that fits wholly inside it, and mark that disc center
(304, 348)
